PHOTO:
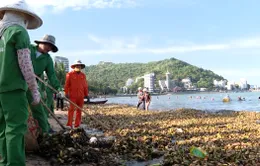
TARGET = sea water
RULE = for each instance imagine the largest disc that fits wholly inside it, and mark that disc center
(201, 101)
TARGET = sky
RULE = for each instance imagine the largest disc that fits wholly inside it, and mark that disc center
(218, 35)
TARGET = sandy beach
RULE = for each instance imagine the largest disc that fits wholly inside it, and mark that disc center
(225, 137)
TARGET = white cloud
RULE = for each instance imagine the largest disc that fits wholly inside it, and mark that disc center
(117, 45)
(59, 5)
(116, 42)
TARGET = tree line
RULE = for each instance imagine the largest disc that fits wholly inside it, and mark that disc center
(109, 78)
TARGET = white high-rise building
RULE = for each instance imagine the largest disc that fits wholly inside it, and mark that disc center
(64, 60)
(149, 81)
(221, 83)
(168, 81)
(243, 83)
(187, 82)
(129, 82)
(230, 85)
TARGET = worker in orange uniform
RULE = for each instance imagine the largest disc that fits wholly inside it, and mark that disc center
(76, 88)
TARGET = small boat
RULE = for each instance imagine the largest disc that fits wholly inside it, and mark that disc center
(88, 101)
(95, 102)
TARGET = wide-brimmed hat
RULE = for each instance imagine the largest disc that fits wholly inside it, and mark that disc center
(49, 39)
(21, 6)
(78, 62)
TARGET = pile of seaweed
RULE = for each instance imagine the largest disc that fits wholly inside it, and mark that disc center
(74, 147)
(183, 136)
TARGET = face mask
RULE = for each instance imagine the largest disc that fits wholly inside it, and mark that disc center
(77, 69)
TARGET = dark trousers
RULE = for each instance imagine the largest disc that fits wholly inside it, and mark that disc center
(59, 103)
(141, 102)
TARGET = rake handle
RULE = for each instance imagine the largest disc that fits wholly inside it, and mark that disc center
(53, 115)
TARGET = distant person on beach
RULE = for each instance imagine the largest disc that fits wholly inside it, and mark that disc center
(60, 100)
(147, 99)
(140, 96)
(76, 89)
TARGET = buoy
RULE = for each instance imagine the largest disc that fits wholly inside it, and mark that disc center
(226, 100)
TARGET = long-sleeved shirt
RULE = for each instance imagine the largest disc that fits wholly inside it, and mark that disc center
(76, 85)
(43, 63)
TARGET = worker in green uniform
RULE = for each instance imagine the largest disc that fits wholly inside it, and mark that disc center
(16, 77)
(42, 61)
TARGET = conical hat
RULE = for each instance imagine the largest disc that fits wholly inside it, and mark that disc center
(21, 6)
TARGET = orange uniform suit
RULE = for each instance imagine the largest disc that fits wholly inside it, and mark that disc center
(76, 87)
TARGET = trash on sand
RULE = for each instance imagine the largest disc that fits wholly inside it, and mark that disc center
(179, 130)
(198, 152)
(93, 140)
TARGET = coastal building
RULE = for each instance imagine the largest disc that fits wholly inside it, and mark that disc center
(149, 81)
(168, 84)
(64, 60)
(220, 84)
(168, 81)
(124, 89)
(187, 83)
(162, 85)
(129, 82)
(243, 84)
(230, 85)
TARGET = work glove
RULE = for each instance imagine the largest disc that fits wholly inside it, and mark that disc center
(36, 96)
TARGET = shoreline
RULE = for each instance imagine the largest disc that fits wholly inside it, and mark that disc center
(171, 93)
(168, 132)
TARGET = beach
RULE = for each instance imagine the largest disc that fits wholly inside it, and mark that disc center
(225, 137)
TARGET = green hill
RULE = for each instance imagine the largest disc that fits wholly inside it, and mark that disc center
(108, 77)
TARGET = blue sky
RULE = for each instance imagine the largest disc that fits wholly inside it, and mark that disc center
(219, 35)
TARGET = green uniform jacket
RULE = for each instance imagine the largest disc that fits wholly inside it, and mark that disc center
(11, 78)
(44, 63)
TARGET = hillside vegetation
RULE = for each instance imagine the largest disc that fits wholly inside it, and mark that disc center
(110, 77)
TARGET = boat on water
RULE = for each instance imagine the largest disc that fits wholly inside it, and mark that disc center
(88, 101)
(226, 99)
(96, 102)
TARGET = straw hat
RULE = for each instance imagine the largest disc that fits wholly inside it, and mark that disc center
(145, 90)
(49, 39)
(139, 88)
(78, 62)
(21, 6)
